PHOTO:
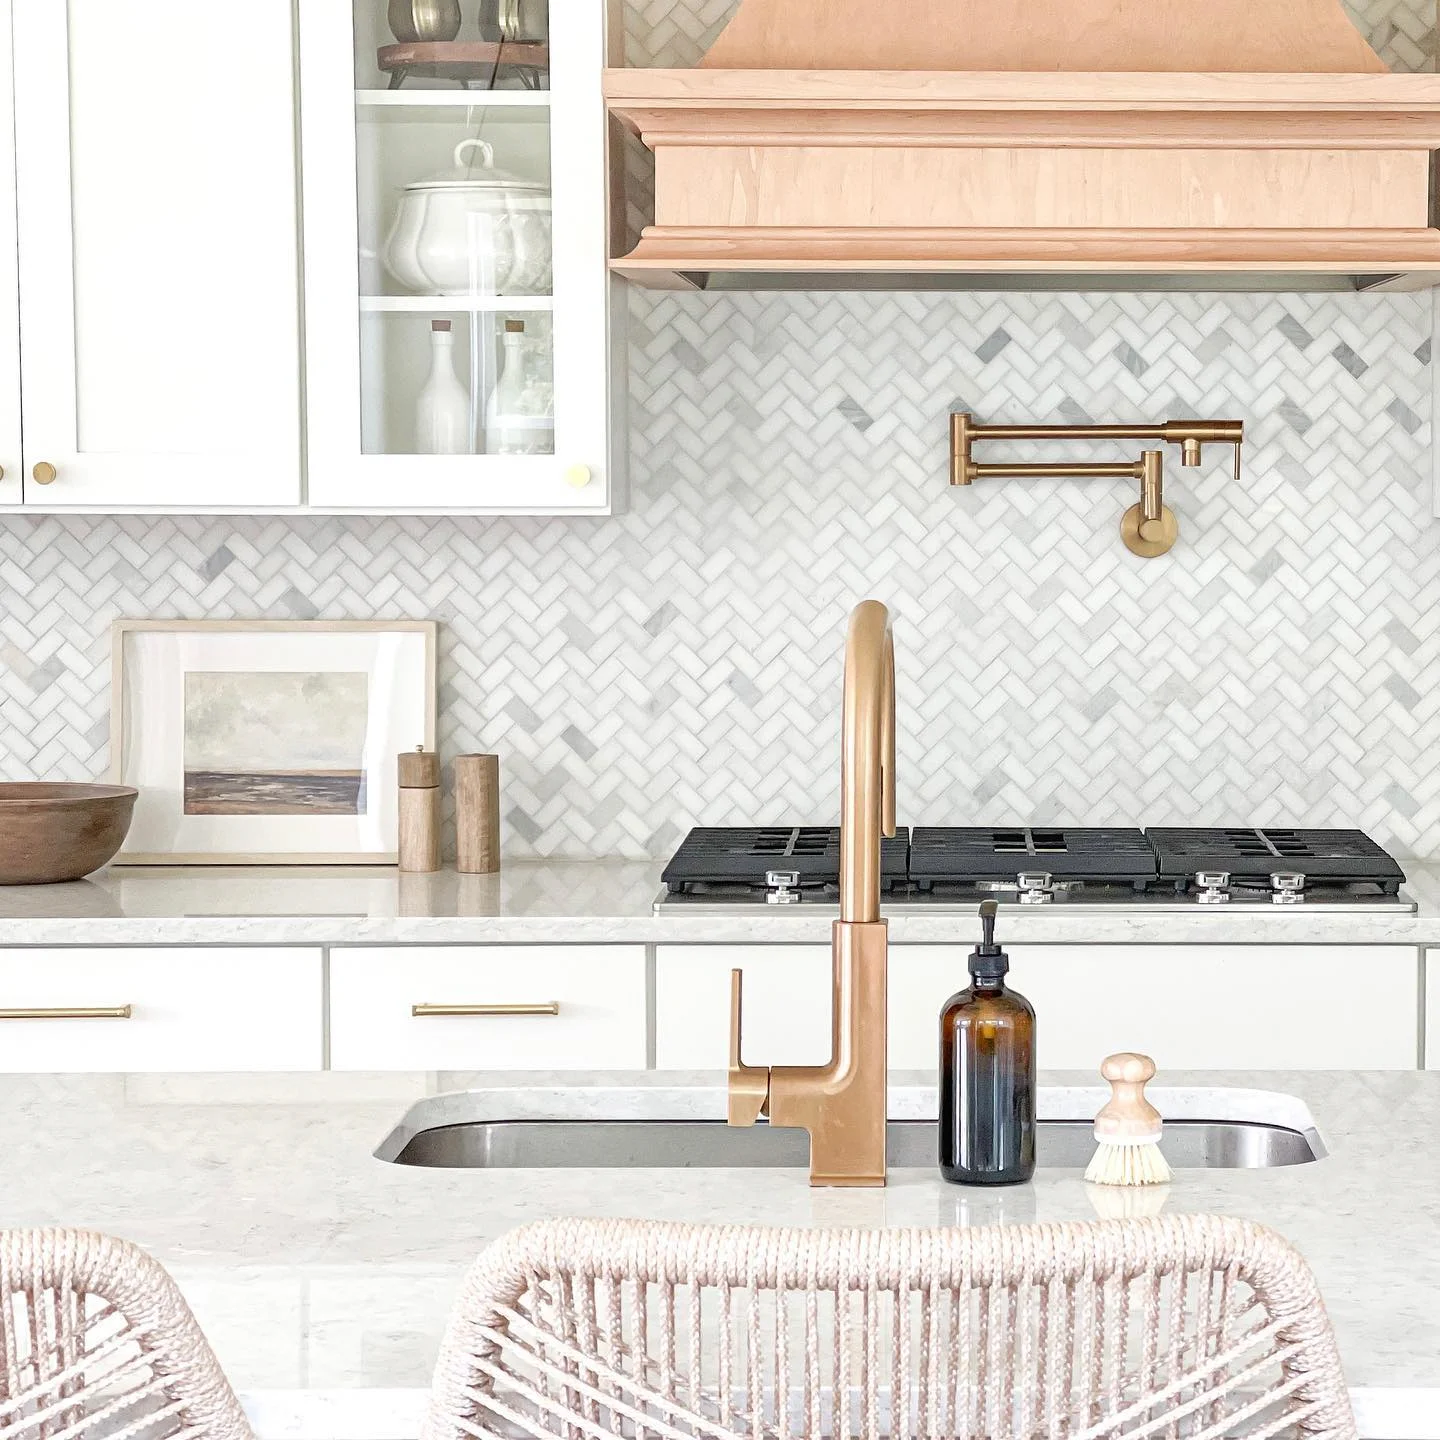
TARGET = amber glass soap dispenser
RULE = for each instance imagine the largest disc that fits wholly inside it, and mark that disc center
(987, 1074)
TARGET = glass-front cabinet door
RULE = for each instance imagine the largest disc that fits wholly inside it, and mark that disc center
(456, 286)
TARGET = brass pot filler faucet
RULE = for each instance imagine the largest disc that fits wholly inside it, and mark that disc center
(1149, 528)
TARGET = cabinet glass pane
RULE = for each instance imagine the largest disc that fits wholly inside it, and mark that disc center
(453, 142)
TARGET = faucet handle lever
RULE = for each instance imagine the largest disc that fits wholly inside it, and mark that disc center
(749, 1084)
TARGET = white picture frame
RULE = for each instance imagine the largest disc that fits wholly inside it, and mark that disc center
(243, 677)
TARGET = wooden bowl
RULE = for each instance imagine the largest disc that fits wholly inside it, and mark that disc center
(51, 831)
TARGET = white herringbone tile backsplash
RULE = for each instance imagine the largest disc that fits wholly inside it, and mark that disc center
(681, 663)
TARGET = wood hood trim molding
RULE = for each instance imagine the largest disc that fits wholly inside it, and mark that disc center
(907, 171)
(1149, 92)
(1148, 135)
(1034, 250)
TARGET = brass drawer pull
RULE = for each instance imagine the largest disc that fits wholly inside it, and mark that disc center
(44, 473)
(542, 1007)
(68, 1012)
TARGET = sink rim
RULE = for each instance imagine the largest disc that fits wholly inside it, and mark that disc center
(393, 1149)
(1216, 1105)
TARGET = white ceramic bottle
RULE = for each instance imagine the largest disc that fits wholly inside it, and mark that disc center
(442, 409)
(519, 415)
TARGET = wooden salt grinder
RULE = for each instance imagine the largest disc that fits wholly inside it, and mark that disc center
(419, 775)
(477, 814)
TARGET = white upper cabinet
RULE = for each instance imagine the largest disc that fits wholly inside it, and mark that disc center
(12, 490)
(456, 291)
(159, 257)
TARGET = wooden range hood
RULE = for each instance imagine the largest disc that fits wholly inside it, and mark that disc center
(1125, 144)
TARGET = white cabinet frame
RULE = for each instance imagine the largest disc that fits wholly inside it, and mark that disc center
(12, 488)
(580, 478)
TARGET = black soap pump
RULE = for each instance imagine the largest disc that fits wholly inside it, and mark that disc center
(987, 1074)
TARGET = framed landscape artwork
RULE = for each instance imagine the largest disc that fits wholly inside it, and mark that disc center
(267, 741)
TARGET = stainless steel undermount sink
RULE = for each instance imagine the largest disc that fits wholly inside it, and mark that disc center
(711, 1144)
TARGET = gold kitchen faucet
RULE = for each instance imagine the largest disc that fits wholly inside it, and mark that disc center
(843, 1103)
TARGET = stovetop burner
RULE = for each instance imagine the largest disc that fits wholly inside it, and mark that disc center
(954, 855)
(1341, 856)
(741, 858)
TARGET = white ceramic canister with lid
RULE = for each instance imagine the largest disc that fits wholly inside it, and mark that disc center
(472, 230)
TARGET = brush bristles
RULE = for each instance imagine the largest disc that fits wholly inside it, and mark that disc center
(1129, 1165)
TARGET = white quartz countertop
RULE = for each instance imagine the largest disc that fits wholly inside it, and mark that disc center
(319, 1271)
(594, 902)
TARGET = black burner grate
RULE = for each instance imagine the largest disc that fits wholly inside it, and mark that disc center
(1344, 856)
(719, 859)
(741, 856)
(954, 855)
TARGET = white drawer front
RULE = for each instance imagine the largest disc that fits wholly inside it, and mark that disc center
(597, 993)
(787, 1005)
(1193, 1007)
(1432, 1009)
(189, 1009)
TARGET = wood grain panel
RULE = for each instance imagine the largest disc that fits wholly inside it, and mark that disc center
(1055, 189)
(1314, 36)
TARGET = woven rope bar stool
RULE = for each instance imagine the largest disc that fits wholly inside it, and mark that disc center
(1193, 1326)
(97, 1343)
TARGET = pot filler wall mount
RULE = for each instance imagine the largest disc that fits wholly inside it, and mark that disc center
(1149, 527)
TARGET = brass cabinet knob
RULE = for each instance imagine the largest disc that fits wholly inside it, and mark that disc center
(44, 473)
(578, 476)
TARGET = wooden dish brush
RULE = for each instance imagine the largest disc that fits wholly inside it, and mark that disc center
(1128, 1127)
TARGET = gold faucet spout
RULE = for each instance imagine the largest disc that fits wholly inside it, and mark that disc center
(843, 1103)
(867, 759)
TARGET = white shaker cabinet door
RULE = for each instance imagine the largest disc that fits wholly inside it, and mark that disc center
(11, 488)
(159, 253)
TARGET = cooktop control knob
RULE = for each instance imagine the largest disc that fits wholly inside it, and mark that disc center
(782, 887)
(1288, 887)
(1212, 887)
(1037, 887)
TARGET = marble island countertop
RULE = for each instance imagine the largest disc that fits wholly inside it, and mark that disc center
(595, 902)
(324, 1276)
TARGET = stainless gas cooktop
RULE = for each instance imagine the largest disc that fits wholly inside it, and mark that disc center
(1118, 869)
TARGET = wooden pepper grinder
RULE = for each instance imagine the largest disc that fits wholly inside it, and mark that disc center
(419, 774)
(477, 814)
